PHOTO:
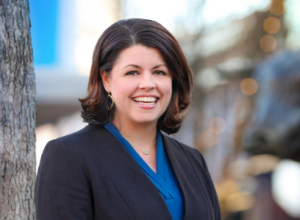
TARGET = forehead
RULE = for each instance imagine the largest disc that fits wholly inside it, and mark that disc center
(139, 54)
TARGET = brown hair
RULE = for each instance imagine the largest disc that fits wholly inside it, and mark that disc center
(124, 34)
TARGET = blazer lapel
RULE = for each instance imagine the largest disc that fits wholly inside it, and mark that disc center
(194, 198)
(133, 185)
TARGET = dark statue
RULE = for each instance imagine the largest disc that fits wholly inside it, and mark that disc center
(275, 125)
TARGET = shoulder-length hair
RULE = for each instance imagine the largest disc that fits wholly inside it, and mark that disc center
(124, 34)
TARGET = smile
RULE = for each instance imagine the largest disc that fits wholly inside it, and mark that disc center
(145, 100)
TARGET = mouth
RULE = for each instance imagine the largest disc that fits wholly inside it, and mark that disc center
(146, 100)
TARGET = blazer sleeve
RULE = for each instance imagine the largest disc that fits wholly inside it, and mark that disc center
(62, 191)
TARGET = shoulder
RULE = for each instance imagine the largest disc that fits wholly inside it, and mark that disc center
(78, 146)
(81, 139)
(177, 143)
(73, 152)
(85, 135)
(192, 153)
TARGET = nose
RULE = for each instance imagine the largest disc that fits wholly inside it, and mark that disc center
(147, 82)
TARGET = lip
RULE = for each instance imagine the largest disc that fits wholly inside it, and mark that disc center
(146, 96)
(146, 106)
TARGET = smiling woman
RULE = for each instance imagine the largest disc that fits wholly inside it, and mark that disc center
(139, 85)
(134, 37)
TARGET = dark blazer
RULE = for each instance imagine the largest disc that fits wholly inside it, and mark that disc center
(89, 175)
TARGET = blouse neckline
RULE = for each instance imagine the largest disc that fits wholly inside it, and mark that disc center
(163, 175)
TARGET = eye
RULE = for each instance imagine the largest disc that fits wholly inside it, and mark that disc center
(131, 73)
(160, 73)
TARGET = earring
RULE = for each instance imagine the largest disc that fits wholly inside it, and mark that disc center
(112, 101)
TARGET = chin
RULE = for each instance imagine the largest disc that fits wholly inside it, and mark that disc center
(145, 119)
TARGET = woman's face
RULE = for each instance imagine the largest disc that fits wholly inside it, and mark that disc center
(140, 84)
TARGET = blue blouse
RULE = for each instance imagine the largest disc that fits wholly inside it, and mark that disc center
(164, 180)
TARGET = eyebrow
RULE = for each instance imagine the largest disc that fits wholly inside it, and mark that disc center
(136, 66)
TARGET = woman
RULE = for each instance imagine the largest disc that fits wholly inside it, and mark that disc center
(121, 166)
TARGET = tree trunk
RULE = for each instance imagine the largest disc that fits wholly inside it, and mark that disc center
(17, 112)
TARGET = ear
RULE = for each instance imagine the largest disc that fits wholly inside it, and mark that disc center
(106, 80)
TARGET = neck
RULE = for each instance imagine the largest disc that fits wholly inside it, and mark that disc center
(141, 135)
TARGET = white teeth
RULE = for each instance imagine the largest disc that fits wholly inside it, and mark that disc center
(145, 99)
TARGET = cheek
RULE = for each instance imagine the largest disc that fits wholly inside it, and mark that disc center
(166, 90)
(122, 89)
(167, 87)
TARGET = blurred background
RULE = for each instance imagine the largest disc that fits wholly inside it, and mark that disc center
(245, 110)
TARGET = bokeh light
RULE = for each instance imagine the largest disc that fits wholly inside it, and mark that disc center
(285, 187)
(239, 201)
(249, 86)
(83, 52)
(277, 7)
(217, 125)
(272, 25)
(268, 43)
(89, 29)
(209, 138)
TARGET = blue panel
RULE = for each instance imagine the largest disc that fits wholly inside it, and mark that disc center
(43, 16)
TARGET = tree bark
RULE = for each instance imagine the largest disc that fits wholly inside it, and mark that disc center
(17, 112)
